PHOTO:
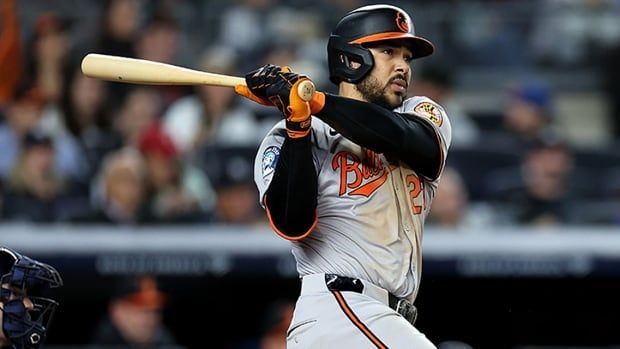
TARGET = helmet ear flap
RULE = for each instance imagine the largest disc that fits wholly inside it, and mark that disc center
(341, 55)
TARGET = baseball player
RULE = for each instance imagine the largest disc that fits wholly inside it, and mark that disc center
(24, 317)
(351, 185)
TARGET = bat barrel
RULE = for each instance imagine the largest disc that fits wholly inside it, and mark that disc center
(141, 71)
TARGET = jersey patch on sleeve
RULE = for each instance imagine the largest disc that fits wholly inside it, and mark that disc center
(430, 111)
(270, 160)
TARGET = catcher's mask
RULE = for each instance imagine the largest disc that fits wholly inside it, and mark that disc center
(21, 278)
(366, 25)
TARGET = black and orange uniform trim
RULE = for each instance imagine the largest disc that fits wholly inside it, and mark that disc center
(356, 321)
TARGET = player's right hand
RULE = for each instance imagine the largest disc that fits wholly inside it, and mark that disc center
(256, 86)
(261, 79)
(257, 82)
(278, 86)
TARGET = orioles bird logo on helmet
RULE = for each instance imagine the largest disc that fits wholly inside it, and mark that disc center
(401, 22)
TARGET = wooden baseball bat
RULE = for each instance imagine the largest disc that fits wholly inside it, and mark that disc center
(141, 71)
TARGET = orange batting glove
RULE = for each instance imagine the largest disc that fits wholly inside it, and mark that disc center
(317, 102)
(258, 78)
(257, 82)
(276, 86)
(243, 90)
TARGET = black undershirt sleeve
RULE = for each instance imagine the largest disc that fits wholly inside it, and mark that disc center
(292, 195)
(408, 138)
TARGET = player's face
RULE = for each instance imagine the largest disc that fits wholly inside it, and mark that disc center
(19, 293)
(389, 79)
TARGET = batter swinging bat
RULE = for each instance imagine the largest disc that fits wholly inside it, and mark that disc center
(141, 71)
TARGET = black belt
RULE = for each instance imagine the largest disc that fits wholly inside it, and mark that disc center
(344, 283)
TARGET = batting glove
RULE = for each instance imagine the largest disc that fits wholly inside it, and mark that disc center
(273, 85)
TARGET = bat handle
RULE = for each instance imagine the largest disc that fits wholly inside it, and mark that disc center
(305, 90)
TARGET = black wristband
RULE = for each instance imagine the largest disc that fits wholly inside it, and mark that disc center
(298, 126)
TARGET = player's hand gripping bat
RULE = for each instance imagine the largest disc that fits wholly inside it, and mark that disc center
(141, 71)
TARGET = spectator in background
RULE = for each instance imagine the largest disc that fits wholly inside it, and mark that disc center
(547, 171)
(528, 112)
(47, 55)
(542, 192)
(436, 82)
(118, 31)
(118, 196)
(230, 170)
(159, 42)
(119, 28)
(51, 69)
(176, 192)
(34, 191)
(134, 317)
(22, 115)
(140, 109)
(71, 156)
(84, 111)
(212, 114)
(450, 204)
(25, 115)
(452, 208)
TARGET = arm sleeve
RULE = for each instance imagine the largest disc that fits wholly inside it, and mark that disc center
(406, 137)
(291, 199)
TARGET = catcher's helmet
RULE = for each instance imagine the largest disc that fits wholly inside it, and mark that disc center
(25, 328)
(365, 25)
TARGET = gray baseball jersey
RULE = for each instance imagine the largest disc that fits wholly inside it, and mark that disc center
(371, 209)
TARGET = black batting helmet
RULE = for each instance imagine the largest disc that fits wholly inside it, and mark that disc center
(365, 25)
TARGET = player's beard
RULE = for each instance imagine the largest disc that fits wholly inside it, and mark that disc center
(370, 88)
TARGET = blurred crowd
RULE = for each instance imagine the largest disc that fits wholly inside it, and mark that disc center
(80, 150)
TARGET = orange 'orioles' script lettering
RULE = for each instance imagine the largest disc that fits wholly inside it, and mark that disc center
(369, 167)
